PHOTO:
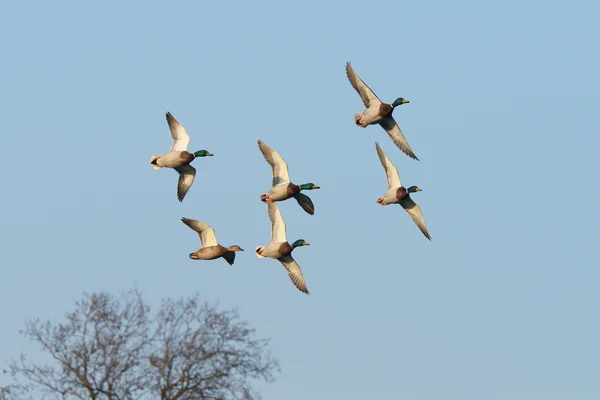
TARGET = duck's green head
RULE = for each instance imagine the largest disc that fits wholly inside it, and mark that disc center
(399, 101)
(202, 153)
(413, 189)
(309, 186)
(299, 243)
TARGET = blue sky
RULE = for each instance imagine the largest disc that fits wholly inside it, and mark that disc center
(501, 304)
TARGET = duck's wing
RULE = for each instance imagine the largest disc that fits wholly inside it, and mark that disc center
(229, 257)
(392, 128)
(205, 231)
(415, 213)
(187, 173)
(277, 163)
(294, 272)
(305, 202)
(391, 172)
(369, 98)
(277, 224)
(180, 137)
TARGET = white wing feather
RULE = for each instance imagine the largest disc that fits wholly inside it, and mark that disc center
(181, 139)
(391, 172)
(368, 97)
(205, 231)
(277, 163)
(277, 224)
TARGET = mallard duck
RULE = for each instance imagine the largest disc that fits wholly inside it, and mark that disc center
(378, 112)
(282, 188)
(178, 157)
(210, 249)
(398, 194)
(281, 250)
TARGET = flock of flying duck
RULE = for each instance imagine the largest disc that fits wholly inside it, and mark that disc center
(376, 113)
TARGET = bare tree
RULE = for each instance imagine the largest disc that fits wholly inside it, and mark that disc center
(201, 353)
(11, 392)
(113, 348)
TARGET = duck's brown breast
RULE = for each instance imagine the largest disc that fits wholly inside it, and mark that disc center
(293, 189)
(385, 110)
(401, 193)
(186, 157)
(285, 249)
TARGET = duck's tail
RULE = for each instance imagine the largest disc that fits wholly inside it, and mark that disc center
(259, 248)
(153, 162)
(357, 118)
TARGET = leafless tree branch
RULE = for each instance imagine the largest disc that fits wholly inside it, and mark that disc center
(111, 347)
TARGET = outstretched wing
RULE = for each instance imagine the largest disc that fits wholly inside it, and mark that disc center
(229, 257)
(366, 94)
(305, 202)
(205, 231)
(277, 224)
(294, 272)
(279, 166)
(180, 137)
(187, 173)
(392, 128)
(390, 170)
(415, 213)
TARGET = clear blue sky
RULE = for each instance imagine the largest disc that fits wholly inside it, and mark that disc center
(504, 98)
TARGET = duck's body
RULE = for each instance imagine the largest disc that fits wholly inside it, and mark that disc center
(172, 159)
(281, 192)
(279, 248)
(394, 196)
(214, 252)
(282, 188)
(378, 112)
(398, 194)
(178, 157)
(210, 249)
(276, 250)
(374, 115)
